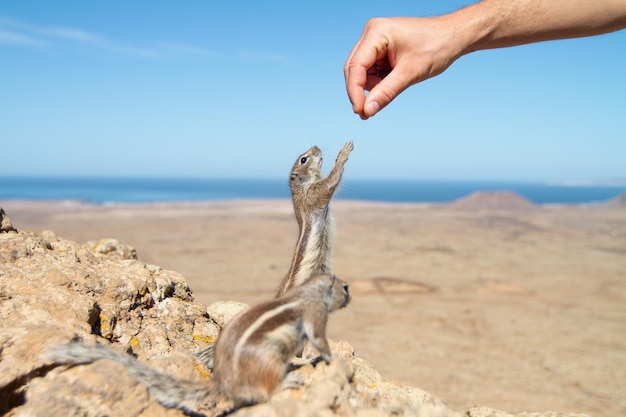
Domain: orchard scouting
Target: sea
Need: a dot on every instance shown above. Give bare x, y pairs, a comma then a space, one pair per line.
155, 190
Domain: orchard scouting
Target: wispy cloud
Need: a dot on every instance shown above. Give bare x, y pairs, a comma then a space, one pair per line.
8, 37
22, 34
68, 34
18, 33
262, 56
186, 49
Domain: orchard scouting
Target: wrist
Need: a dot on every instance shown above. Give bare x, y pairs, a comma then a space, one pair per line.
474, 28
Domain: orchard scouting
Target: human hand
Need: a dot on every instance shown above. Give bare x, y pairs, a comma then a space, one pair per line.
395, 53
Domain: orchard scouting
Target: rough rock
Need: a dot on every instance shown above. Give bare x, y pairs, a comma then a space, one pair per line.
53, 291
492, 200
221, 312
5, 223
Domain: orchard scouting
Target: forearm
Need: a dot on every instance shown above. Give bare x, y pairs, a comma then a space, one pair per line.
501, 23
395, 53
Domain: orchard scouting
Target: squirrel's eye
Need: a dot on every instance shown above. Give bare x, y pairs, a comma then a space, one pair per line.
303, 159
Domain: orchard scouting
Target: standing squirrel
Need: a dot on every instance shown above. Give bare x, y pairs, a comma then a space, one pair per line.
252, 352
311, 195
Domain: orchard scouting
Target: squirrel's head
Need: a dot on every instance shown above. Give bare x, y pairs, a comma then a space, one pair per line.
334, 291
307, 167
339, 294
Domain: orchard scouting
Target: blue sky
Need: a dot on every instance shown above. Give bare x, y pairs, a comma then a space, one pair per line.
240, 88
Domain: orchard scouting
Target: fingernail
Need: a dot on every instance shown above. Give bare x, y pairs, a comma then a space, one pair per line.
373, 107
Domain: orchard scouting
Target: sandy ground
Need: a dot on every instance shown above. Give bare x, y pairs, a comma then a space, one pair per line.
515, 310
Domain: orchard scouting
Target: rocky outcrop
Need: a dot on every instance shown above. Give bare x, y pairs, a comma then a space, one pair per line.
492, 200
53, 291
5, 223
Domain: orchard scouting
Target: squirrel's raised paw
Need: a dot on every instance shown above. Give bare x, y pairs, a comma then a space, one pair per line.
345, 151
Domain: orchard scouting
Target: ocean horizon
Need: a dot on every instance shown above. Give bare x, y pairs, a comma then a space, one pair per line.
101, 190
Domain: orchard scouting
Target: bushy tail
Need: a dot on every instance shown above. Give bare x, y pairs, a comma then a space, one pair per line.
206, 356
171, 392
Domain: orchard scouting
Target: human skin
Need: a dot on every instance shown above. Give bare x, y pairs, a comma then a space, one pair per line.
393, 54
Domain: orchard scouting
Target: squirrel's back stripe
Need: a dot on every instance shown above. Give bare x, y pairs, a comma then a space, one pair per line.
258, 323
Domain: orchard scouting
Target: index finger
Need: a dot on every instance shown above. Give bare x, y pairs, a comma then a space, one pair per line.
363, 56
355, 74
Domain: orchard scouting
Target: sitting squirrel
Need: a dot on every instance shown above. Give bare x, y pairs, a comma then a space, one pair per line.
252, 352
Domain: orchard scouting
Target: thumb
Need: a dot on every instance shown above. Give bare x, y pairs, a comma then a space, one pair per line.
386, 91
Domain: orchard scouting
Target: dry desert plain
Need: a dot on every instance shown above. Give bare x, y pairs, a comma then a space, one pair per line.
519, 310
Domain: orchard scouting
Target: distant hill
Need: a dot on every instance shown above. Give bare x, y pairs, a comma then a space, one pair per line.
492, 200
616, 202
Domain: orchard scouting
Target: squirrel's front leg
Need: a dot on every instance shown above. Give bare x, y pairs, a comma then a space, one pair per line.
316, 333
334, 177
